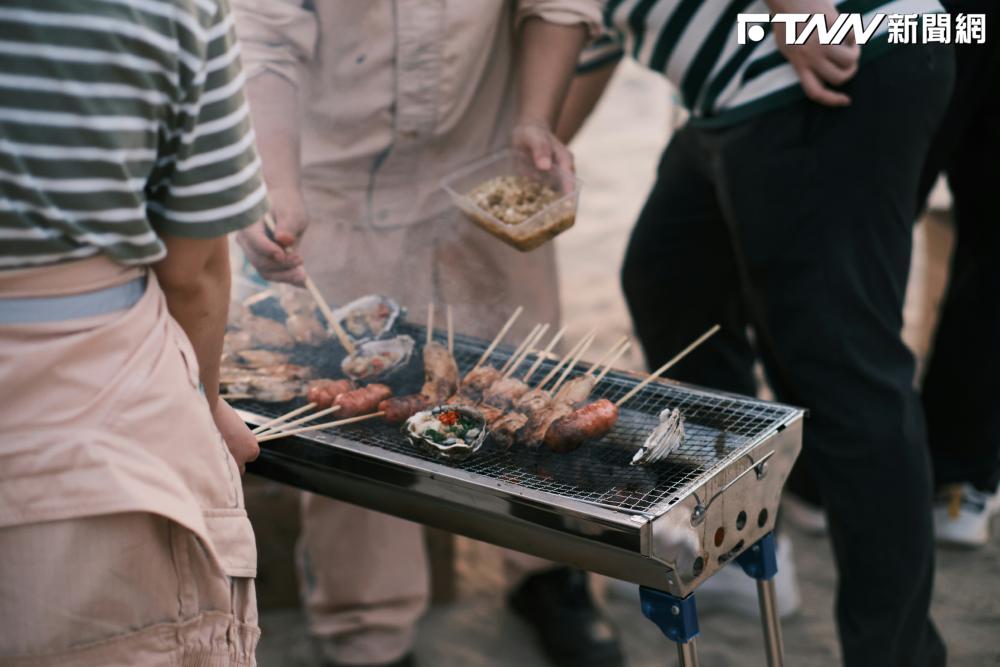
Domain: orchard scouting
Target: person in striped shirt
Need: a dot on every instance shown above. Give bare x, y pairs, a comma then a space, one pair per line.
786, 204
126, 155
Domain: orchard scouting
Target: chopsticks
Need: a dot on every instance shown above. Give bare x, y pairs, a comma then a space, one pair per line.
324, 307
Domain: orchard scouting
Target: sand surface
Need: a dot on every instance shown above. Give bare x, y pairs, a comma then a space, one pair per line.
616, 156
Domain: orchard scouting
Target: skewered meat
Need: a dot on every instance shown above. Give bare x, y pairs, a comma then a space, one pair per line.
502, 393
440, 373
324, 392
505, 428
576, 390
282, 372
533, 433
533, 401
362, 401
262, 387
257, 358
398, 409
305, 328
476, 382
268, 333
237, 341
302, 323
592, 421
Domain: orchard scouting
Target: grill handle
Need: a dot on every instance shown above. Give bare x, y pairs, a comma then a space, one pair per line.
700, 510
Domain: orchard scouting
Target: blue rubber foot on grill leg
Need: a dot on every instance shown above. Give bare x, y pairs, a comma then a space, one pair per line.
676, 617
761, 560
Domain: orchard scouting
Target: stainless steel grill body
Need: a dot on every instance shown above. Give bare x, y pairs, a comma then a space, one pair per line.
669, 525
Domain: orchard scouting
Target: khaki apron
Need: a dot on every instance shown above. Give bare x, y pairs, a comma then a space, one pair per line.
114, 478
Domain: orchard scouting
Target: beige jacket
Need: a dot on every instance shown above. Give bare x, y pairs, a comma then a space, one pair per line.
394, 95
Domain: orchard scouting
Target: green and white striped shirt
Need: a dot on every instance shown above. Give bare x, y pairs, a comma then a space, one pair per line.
120, 120
694, 44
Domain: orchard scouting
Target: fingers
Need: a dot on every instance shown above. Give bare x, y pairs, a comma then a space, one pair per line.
541, 151
844, 55
254, 241
817, 91
296, 276
564, 160
833, 74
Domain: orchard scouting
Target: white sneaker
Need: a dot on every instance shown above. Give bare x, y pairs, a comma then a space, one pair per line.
730, 588
962, 515
808, 517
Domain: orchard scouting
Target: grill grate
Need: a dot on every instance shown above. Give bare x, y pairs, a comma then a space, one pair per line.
718, 429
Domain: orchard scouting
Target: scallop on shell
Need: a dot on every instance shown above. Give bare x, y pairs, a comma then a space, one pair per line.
368, 318
378, 358
451, 451
665, 438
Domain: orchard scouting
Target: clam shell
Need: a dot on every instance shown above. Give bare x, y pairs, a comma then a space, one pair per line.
395, 351
455, 452
664, 439
353, 317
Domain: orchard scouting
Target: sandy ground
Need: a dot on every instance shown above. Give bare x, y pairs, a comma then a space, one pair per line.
616, 156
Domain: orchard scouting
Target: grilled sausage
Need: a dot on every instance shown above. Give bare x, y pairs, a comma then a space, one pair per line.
398, 409
324, 392
362, 401
587, 423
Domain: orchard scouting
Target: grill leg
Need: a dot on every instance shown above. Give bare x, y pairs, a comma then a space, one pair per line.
761, 562
677, 618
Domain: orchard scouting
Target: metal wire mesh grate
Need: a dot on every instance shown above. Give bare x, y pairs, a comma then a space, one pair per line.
718, 427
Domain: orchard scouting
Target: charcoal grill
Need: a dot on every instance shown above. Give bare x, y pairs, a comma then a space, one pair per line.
667, 526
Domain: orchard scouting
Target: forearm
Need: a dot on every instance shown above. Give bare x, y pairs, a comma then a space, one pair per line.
274, 112
584, 93
197, 295
547, 57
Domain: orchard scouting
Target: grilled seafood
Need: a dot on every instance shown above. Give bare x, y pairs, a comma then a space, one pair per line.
665, 438
378, 358
449, 431
368, 318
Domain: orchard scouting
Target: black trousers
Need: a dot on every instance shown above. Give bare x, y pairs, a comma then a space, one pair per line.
961, 391
822, 201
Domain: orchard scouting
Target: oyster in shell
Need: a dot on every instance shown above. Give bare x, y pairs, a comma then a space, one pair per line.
451, 432
665, 438
378, 358
368, 318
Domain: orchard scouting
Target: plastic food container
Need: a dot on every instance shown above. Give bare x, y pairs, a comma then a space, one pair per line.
508, 197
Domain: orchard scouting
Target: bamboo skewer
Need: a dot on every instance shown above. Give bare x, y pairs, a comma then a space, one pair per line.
565, 360
262, 295
607, 355
665, 367
317, 427
283, 418
430, 323
612, 362
544, 354
301, 420
517, 360
572, 365
522, 346
236, 397
324, 307
451, 331
496, 340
